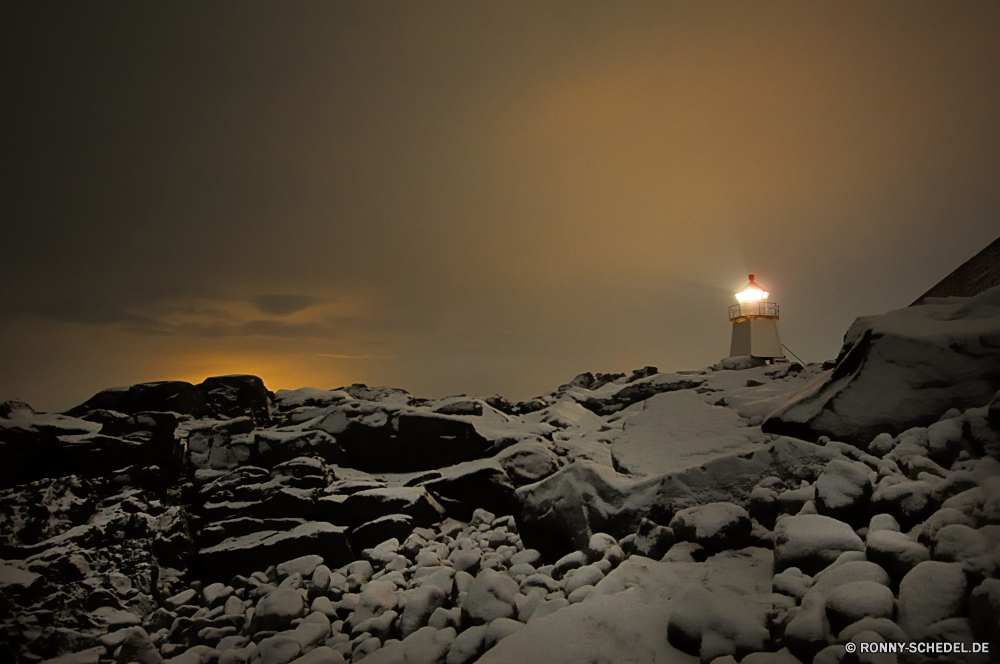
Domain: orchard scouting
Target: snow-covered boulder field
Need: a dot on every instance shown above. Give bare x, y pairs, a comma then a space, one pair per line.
620, 518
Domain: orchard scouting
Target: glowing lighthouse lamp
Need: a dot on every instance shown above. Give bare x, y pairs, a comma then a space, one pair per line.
755, 325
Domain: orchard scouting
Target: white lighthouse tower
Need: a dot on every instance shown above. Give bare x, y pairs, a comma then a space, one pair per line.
755, 325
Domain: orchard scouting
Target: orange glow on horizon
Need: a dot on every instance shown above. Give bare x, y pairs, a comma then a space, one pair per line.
276, 370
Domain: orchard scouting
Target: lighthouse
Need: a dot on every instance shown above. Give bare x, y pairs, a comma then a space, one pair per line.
755, 325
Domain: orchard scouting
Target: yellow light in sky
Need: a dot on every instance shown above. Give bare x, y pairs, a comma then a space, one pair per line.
752, 293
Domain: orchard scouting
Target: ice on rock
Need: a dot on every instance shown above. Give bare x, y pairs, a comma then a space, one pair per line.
428, 645
568, 562
371, 645
783, 656
186, 597
959, 543
848, 569
950, 630
539, 581
443, 618
314, 629
909, 502
366, 506
361, 569
528, 556
883, 522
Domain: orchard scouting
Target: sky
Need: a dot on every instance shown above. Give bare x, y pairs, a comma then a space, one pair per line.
472, 197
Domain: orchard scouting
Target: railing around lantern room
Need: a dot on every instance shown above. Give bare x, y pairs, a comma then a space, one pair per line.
744, 310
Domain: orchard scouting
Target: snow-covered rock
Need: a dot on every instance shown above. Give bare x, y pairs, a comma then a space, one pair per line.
491, 596
715, 526
901, 369
678, 430
812, 541
277, 609
843, 488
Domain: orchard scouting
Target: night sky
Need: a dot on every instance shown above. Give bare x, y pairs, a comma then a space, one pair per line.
473, 197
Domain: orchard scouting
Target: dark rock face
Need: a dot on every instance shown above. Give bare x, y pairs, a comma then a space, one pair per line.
409, 441
238, 396
243, 555
227, 396
461, 492
166, 396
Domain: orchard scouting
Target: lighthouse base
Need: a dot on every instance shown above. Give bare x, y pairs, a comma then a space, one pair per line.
757, 337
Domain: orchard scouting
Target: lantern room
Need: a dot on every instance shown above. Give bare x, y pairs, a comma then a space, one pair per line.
755, 325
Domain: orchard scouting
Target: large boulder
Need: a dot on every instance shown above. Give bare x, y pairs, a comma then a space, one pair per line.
528, 462
932, 591
843, 488
468, 486
415, 502
279, 608
491, 596
238, 396
386, 438
560, 513
46, 445
219, 396
163, 396
812, 541
256, 551
678, 430
899, 370
715, 526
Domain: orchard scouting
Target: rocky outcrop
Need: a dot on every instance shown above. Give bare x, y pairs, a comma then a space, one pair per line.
900, 370
219, 396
